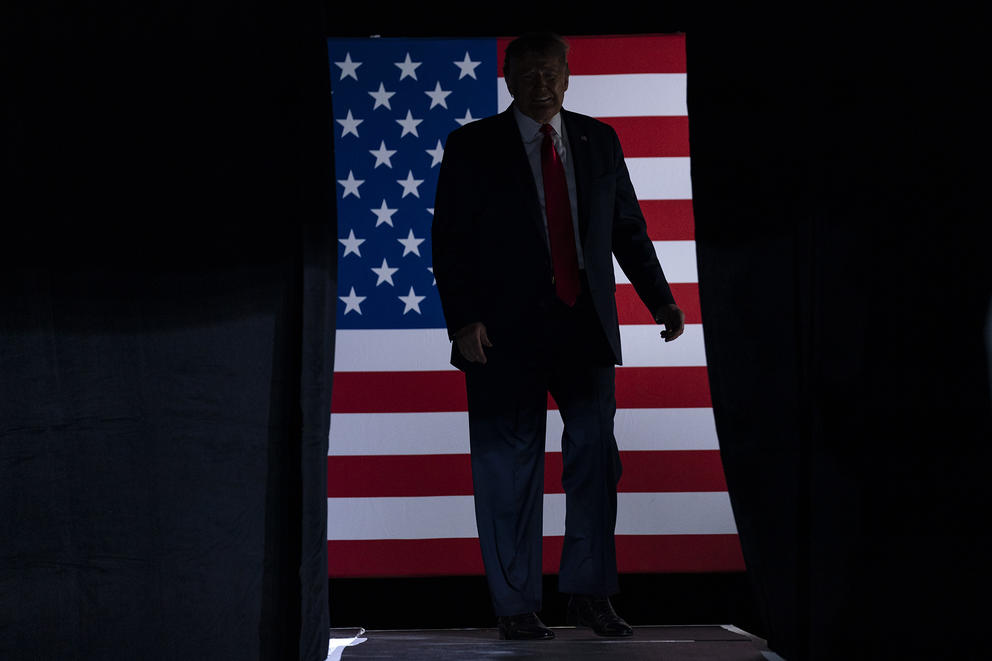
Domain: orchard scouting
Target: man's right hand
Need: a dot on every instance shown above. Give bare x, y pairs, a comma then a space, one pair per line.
470, 340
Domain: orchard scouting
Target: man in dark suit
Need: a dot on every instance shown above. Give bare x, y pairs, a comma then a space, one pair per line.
531, 206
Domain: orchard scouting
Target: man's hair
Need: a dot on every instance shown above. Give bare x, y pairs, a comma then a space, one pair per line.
534, 43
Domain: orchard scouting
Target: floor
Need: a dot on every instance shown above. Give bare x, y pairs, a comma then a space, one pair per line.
668, 643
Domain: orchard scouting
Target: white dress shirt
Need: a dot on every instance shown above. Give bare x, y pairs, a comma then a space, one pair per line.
530, 133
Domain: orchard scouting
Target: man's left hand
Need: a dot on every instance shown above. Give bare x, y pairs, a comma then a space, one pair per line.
674, 320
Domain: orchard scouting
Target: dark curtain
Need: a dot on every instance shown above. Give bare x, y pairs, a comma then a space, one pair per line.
844, 278
166, 332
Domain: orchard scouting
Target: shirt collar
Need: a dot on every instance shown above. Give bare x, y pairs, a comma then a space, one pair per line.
530, 130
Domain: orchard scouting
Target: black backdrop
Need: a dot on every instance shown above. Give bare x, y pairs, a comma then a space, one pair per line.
168, 301
845, 282
167, 327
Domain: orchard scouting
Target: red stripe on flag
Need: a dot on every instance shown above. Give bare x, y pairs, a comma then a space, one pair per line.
646, 554
366, 558
669, 220
618, 54
663, 471
651, 136
384, 476
631, 310
398, 392
462, 557
663, 387
410, 392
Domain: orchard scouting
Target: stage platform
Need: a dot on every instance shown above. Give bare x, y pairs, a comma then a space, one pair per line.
670, 643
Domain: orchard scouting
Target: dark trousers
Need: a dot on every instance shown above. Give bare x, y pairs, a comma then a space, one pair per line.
507, 402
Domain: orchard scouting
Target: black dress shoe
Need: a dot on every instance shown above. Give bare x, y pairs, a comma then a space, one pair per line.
598, 613
525, 626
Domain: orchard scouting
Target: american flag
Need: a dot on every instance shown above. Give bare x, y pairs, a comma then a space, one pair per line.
399, 478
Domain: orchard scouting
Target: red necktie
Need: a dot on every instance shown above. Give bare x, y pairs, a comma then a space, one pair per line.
564, 260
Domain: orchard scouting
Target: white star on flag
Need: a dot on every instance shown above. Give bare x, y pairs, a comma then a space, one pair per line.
352, 302
348, 68
351, 244
382, 155
438, 96
411, 244
383, 215
350, 125
436, 154
409, 124
467, 67
410, 185
381, 97
431, 269
407, 68
384, 273
467, 118
351, 185
411, 301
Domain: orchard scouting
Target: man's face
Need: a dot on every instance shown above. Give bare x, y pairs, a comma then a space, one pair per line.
537, 84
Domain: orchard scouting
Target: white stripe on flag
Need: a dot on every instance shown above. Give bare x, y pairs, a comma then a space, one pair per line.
659, 429
442, 517
428, 349
660, 178
678, 261
619, 95
642, 346
360, 434
686, 513
392, 350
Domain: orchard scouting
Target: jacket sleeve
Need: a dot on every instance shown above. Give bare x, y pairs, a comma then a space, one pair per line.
454, 237
631, 244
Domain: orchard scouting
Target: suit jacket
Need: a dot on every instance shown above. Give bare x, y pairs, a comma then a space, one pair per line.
490, 251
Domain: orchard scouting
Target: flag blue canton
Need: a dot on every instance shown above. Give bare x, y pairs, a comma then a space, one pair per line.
394, 102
